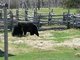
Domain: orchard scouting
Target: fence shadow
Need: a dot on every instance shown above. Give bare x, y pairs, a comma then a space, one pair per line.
56, 28
2, 54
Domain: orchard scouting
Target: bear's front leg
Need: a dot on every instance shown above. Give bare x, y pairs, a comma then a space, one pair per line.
24, 33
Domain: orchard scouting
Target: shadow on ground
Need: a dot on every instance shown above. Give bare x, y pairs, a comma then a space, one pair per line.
2, 54
56, 28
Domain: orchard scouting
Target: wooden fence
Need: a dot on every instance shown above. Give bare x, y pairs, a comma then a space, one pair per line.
38, 19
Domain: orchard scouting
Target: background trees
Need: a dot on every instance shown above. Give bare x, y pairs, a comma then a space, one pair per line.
44, 3
71, 3
32, 3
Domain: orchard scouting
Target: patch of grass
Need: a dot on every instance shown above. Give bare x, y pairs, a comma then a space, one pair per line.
65, 35
57, 10
61, 54
24, 52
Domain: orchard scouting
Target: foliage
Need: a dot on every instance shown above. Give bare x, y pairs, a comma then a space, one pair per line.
71, 3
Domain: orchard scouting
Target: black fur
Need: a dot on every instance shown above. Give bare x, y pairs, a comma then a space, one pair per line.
22, 28
17, 31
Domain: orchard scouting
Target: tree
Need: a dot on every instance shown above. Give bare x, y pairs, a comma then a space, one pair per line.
71, 3
28, 3
38, 4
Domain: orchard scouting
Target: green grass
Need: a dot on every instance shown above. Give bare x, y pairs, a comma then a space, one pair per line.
60, 54
57, 10
65, 34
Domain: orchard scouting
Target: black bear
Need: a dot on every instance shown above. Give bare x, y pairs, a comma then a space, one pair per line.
17, 31
23, 27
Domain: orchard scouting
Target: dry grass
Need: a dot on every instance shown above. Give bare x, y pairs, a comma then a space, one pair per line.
44, 42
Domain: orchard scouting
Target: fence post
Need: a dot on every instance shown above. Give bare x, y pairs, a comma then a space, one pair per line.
65, 17
36, 18
0, 14
5, 33
26, 15
11, 17
49, 18
35, 15
38, 21
68, 19
17, 14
